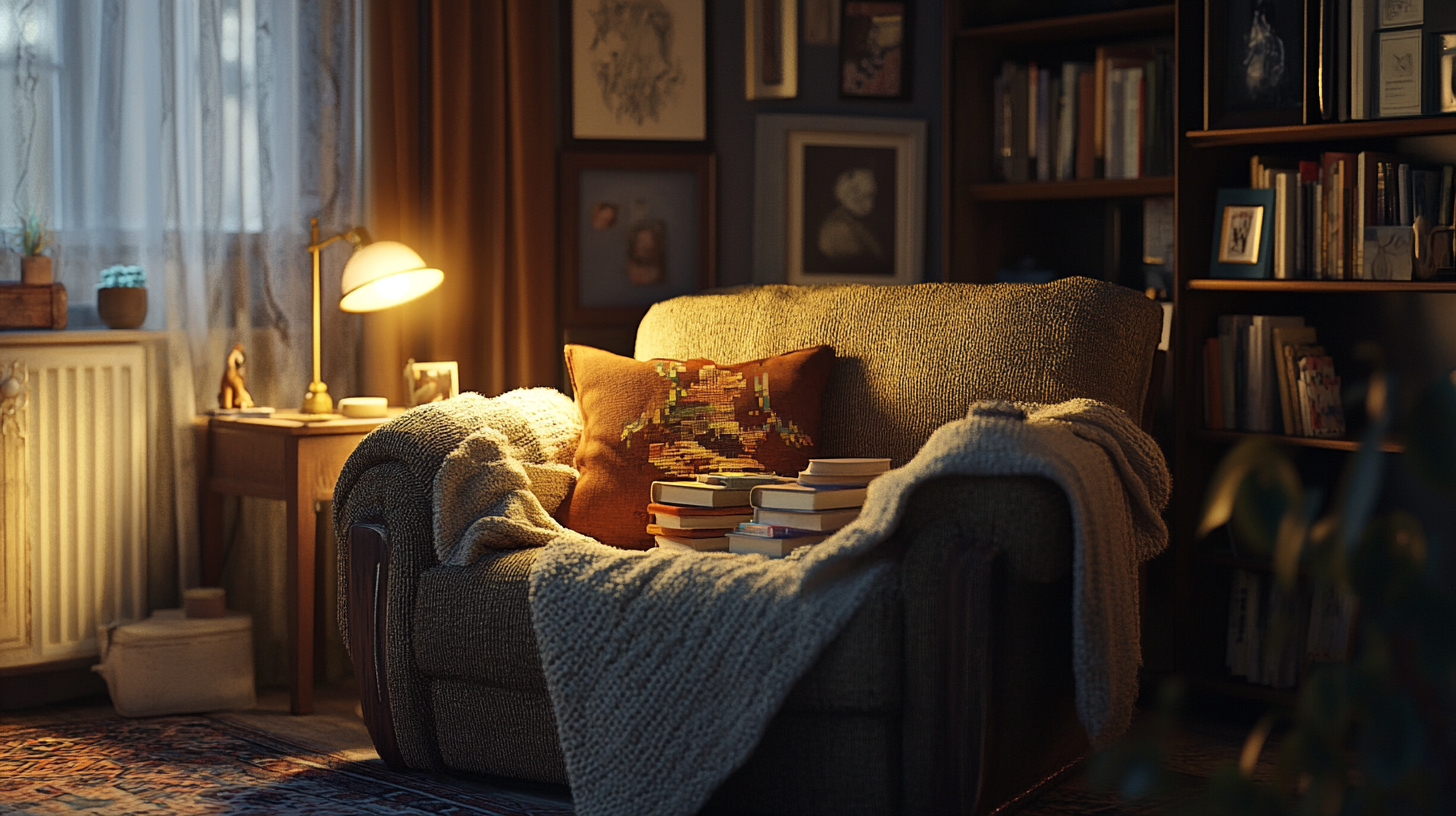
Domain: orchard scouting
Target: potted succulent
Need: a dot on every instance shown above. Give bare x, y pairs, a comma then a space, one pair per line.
121, 297
34, 239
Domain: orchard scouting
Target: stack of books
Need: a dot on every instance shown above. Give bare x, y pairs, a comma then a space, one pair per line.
827, 496
1267, 373
699, 515
1314, 625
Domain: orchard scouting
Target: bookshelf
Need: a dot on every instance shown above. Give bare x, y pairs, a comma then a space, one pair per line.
990, 223
993, 224
1341, 310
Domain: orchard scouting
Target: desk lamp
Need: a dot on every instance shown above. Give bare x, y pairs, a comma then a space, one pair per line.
378, 275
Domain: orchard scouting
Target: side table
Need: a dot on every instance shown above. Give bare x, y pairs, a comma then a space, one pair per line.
292, 457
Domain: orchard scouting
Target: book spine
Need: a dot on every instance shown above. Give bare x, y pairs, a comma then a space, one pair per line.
1405, 197
1132, 123
999, 142
1042, 147
1446, 187
1087, 125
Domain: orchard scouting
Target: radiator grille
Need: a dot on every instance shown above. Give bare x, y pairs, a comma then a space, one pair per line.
86, 473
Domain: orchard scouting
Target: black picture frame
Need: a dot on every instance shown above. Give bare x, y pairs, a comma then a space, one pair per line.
868, 67
667, 199
1259, 57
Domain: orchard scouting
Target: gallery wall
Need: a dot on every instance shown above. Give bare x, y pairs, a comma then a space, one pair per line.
732, 124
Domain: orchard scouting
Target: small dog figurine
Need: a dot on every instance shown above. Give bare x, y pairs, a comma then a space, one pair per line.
232, 393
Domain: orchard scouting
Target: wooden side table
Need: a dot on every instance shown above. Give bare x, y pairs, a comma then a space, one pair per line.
292, 457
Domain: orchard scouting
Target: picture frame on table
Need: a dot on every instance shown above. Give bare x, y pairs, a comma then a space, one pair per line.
875, 49
1255, 73
636, 228
430, 382
771, 49
637, 69
1242, 234
839, 199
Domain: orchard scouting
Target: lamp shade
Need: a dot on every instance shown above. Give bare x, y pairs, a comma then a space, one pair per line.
384, 274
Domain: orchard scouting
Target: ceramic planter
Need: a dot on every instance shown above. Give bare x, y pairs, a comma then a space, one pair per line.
36, 269
122, 307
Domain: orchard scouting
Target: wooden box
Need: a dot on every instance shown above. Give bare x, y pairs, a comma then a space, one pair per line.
32, 306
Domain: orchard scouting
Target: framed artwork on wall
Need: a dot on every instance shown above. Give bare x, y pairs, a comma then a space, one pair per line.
638, 69
636, 228
771, 49
1255, 72
874, 49
839, 199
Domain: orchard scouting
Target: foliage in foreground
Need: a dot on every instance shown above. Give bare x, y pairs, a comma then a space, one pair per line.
1375, 735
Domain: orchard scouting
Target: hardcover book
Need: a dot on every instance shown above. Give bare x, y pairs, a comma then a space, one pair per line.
802, 497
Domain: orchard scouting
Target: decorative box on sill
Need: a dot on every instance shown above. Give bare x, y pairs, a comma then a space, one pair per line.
32, 306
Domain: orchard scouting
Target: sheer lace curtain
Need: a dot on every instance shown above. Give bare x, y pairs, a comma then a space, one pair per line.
194, 138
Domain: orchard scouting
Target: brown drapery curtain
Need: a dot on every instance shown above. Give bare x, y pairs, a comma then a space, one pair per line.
461, 167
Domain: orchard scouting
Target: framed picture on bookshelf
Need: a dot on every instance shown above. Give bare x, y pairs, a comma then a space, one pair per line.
636, 228
1395, 13
1241, 234
771, 49
637, 70
1254, 75
1399, 81
874, 49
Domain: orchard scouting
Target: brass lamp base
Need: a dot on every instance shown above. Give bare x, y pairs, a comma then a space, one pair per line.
317, 400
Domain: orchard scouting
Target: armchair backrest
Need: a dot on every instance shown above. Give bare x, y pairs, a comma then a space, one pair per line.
912, 358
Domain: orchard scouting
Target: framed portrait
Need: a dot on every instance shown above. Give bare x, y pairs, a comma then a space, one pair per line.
771, 49
1255, 72
430, 382
636, 228
638, 69
874, 49
1241, 234
839, 199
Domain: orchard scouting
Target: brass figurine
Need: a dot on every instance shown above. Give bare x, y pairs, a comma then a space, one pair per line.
232, 393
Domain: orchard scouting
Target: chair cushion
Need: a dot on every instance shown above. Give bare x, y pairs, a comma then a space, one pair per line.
473, 624
663, 419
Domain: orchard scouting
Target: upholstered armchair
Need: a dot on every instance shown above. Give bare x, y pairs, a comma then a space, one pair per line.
949, 691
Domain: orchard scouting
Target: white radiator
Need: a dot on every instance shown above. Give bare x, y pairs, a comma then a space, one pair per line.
74, 463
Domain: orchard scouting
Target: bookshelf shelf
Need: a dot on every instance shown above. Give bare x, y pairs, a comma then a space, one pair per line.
1313, 286
1232, 437
1070, 190
1102, 25
1335, 131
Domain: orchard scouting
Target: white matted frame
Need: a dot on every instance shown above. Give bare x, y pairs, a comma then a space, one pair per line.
431, 382
785, 144
638, 69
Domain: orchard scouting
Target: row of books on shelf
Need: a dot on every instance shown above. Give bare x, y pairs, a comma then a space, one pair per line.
1111, 118
1343, 216
1273, 631
761, 513
1267, 374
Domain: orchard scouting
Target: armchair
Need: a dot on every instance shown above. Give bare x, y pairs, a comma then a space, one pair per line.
951, 688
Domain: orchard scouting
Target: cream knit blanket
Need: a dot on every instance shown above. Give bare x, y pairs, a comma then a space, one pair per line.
665, 668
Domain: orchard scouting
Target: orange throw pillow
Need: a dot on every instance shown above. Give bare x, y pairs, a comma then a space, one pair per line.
666, 419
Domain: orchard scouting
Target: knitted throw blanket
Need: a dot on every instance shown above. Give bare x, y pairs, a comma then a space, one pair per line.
665, 668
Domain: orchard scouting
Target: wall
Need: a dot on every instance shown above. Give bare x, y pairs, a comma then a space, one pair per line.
733, 117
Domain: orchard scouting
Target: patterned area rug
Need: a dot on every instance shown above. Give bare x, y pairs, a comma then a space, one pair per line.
193, 765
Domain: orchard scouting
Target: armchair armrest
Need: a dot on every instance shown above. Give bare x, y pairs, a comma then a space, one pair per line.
383, 505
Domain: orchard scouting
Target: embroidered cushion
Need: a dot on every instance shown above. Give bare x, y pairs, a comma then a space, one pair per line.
667, 419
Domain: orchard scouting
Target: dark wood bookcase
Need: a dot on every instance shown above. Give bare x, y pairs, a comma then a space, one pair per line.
1064, 224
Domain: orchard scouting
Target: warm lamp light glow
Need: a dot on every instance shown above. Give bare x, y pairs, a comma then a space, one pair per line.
384, 274
377, 276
